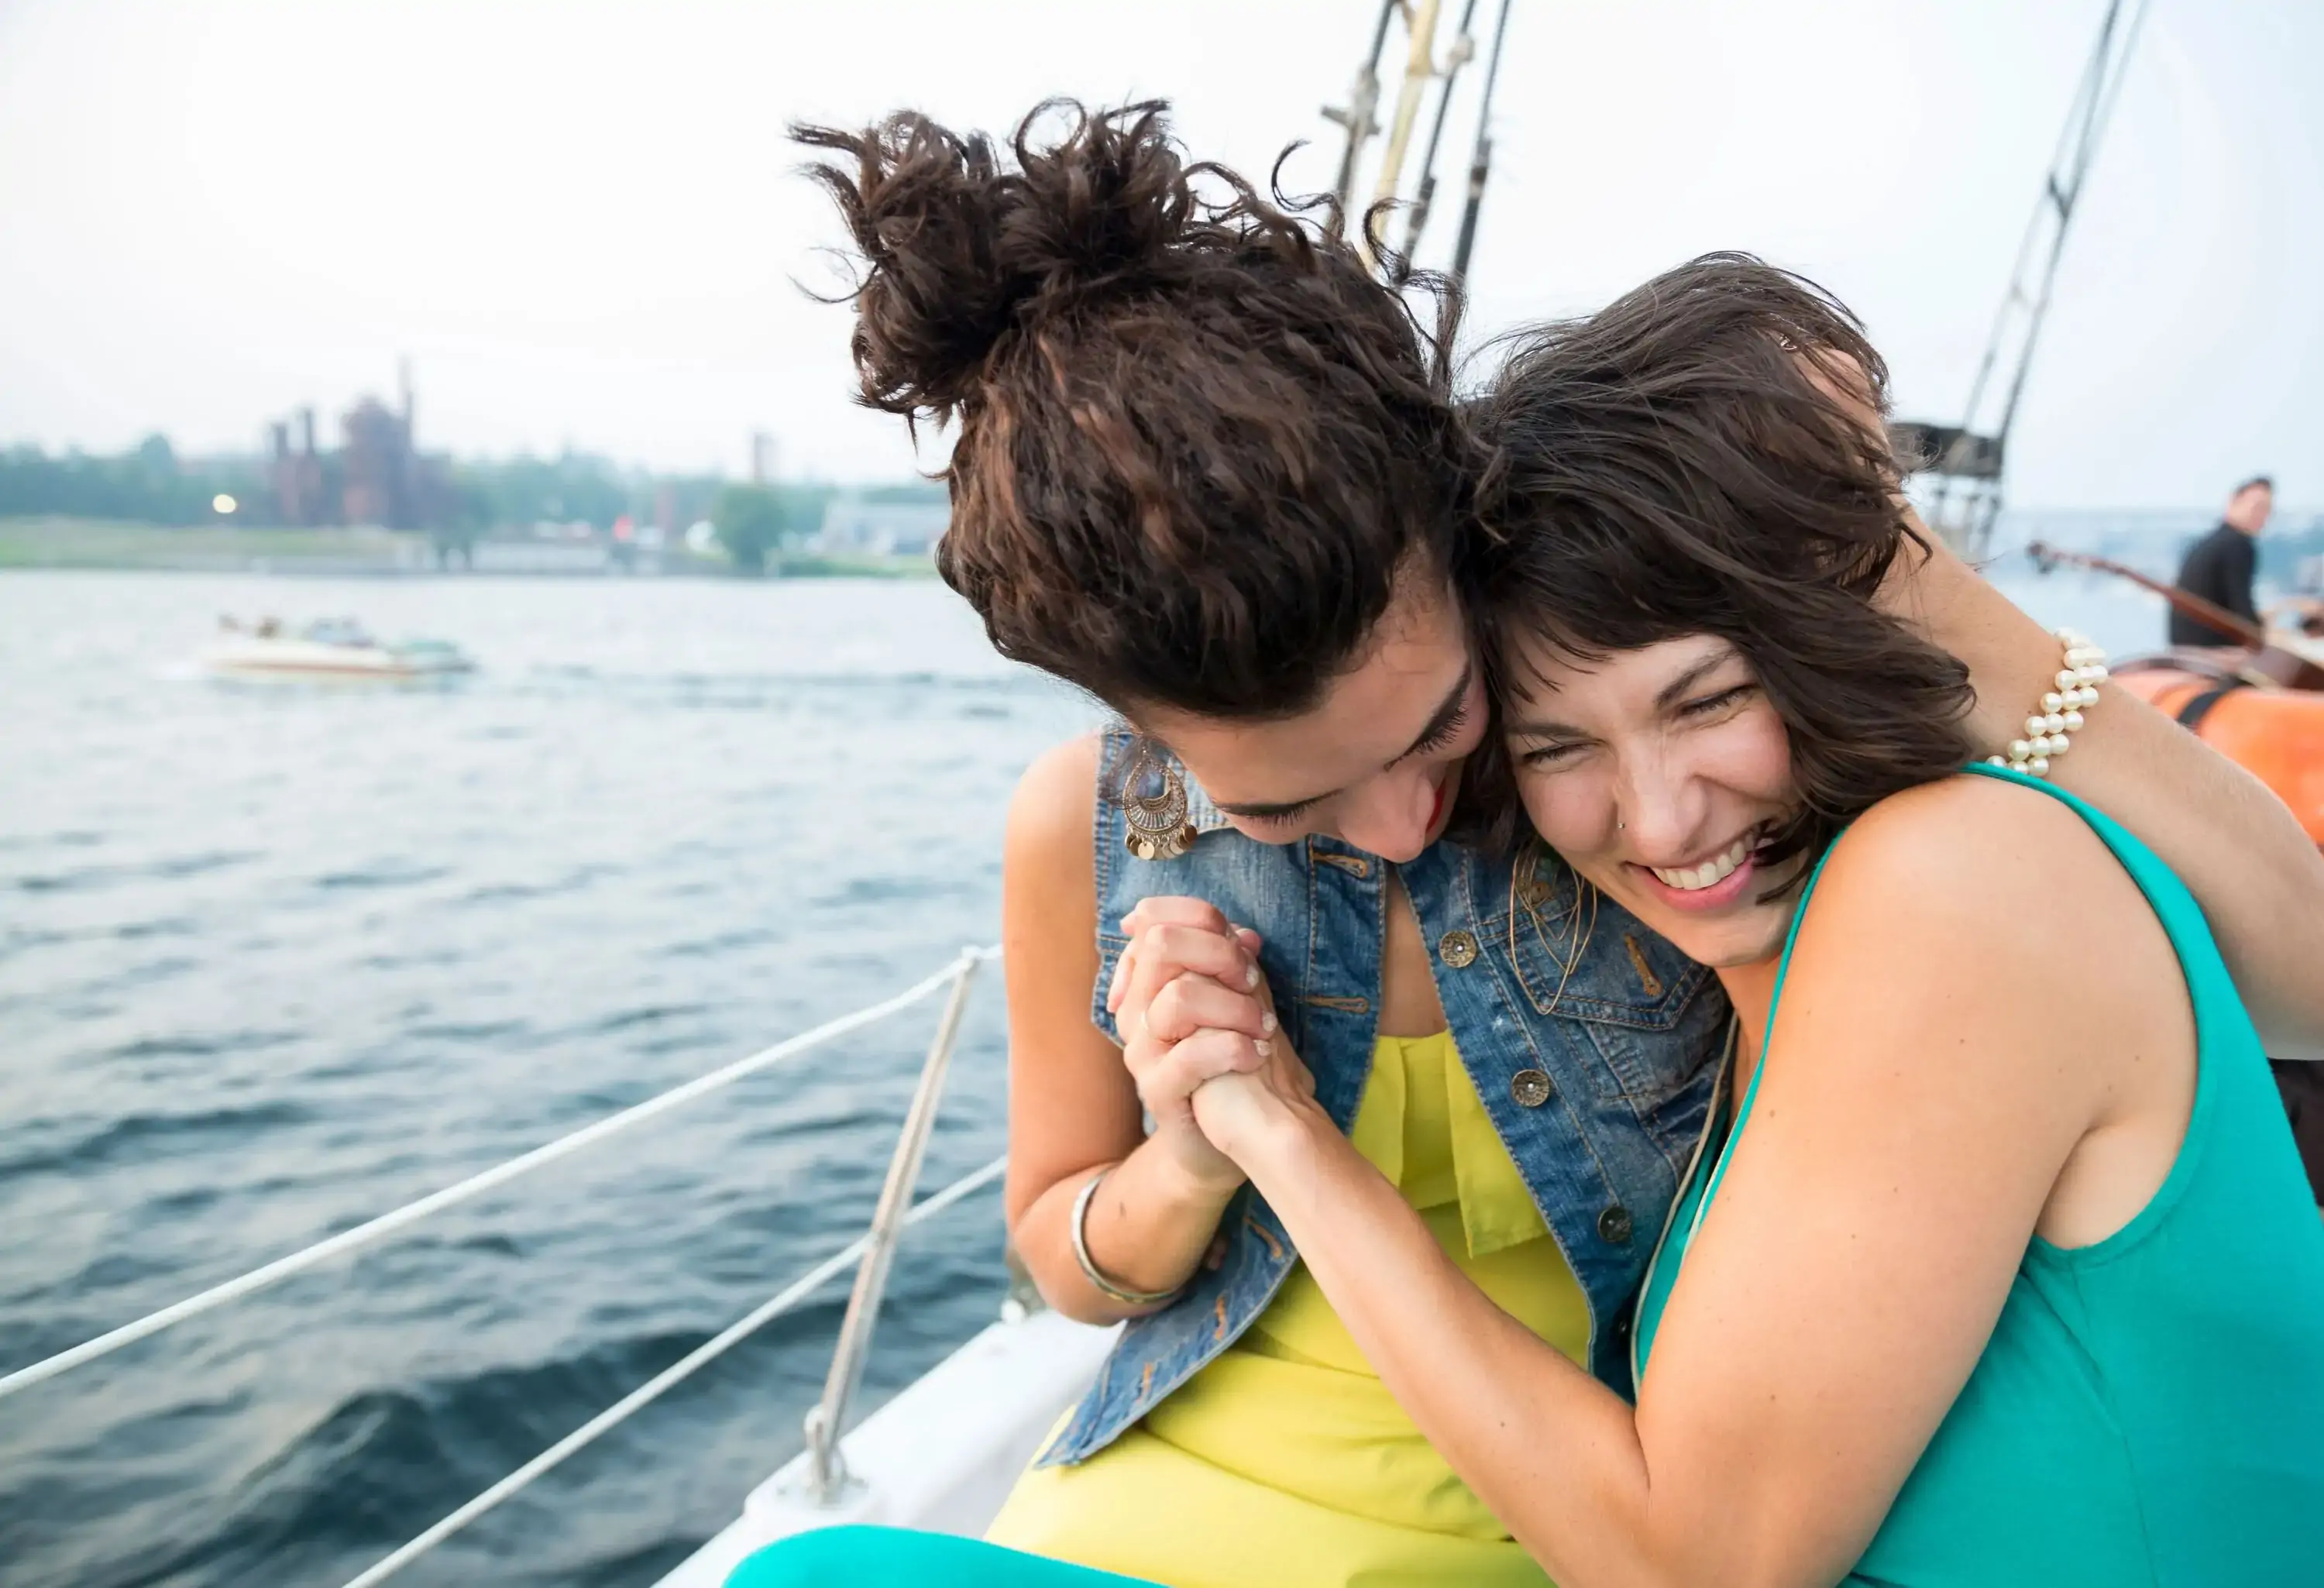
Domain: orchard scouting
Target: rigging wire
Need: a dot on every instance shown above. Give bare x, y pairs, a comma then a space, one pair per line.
1974, 460
411, 1213
1480, 161
669, 1379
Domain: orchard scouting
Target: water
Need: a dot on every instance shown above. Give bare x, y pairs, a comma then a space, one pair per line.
274, 959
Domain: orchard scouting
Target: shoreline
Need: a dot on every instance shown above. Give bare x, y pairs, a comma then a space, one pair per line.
112, 545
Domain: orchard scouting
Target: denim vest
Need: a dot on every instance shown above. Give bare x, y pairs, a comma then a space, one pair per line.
1588, 1038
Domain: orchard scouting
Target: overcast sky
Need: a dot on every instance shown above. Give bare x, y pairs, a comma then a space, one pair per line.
581, 223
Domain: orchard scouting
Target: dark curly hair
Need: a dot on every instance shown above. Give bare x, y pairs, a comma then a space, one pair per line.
1702, 456
1198, 443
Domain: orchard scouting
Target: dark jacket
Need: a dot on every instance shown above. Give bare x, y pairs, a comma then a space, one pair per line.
2220, 568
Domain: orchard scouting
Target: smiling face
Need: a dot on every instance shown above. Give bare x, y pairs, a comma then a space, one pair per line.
1376, 763
1656, 773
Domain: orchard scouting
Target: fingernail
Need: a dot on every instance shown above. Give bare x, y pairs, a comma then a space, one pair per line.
1266, 1048
1267, 1022
1250, 976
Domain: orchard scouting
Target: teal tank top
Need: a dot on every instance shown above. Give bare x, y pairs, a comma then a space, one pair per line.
2150, 1409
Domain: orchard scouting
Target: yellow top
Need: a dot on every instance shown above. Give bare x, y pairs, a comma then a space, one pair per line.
1286, 1462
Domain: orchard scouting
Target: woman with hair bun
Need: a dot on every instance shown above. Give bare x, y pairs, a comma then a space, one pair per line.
1210, 471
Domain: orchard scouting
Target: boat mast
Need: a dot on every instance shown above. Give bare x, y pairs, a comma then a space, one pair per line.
1966, 460
1415, 219
1480, 159
1419, 67
1420, 18
1356, 115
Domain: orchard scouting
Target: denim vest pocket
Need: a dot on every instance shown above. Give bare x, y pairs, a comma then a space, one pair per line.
1581, 956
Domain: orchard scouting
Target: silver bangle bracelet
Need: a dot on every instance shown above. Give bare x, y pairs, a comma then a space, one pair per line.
1090, 1269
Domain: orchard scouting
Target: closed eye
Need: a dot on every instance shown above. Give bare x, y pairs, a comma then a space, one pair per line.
1712, 705
1443, 734
1548, 754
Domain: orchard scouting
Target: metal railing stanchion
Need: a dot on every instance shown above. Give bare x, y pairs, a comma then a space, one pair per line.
827, 1467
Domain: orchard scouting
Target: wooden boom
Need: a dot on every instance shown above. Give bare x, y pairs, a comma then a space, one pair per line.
2269, 660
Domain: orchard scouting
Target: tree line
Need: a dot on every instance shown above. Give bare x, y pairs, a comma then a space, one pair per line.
152, 482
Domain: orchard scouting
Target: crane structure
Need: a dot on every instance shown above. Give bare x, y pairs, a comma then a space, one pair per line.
1963, 465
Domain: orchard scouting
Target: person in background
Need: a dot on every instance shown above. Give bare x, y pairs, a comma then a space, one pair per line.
2220, 565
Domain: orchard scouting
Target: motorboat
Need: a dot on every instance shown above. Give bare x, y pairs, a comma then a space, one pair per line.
337, 648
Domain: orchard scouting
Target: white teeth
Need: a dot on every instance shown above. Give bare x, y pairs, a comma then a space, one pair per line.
1693, 879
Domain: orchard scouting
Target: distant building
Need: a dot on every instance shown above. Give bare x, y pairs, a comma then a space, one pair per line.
297, 477
375, 464
376, 477
882, 524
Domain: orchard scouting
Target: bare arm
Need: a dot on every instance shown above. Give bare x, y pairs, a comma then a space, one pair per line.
2240, 852
1908, 1139
1074, 1106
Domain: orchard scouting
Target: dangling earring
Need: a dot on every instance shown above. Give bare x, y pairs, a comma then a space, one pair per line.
1158, 827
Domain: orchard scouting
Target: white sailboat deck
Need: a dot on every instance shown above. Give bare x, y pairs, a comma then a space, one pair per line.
940, 1456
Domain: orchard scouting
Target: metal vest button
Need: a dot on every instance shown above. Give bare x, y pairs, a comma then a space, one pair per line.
1530, 1088
1614, 1225
1458, 950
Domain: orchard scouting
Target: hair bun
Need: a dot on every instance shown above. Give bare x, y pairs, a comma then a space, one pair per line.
960, 250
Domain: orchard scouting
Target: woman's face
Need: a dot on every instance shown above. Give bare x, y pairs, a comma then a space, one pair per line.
1657, 774
1377, 763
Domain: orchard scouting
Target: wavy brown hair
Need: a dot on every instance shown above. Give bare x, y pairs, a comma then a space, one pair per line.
1198, 443
1703, 457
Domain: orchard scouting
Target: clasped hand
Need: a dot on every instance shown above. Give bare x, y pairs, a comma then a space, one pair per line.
1201, 1038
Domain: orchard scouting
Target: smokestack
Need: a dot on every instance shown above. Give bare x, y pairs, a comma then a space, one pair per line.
403, 379
763, 458
306, 430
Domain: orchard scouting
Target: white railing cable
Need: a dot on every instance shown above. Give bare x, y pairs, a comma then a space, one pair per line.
814, 1278
388, 1224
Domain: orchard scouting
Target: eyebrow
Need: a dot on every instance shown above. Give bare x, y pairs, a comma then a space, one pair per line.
1439, 720
1665, 699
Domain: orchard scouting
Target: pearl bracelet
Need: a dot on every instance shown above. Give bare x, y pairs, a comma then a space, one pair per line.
2048, 731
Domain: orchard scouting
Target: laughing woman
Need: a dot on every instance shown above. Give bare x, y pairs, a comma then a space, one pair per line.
1209, 471
1997, 1265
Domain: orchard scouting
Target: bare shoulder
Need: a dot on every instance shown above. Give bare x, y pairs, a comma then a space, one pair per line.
1051, 817
1960, 876
1054, 806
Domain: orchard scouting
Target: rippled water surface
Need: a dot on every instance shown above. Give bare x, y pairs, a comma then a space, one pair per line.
276, 958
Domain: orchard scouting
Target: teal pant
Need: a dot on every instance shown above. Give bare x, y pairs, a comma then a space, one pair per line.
893, 1557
